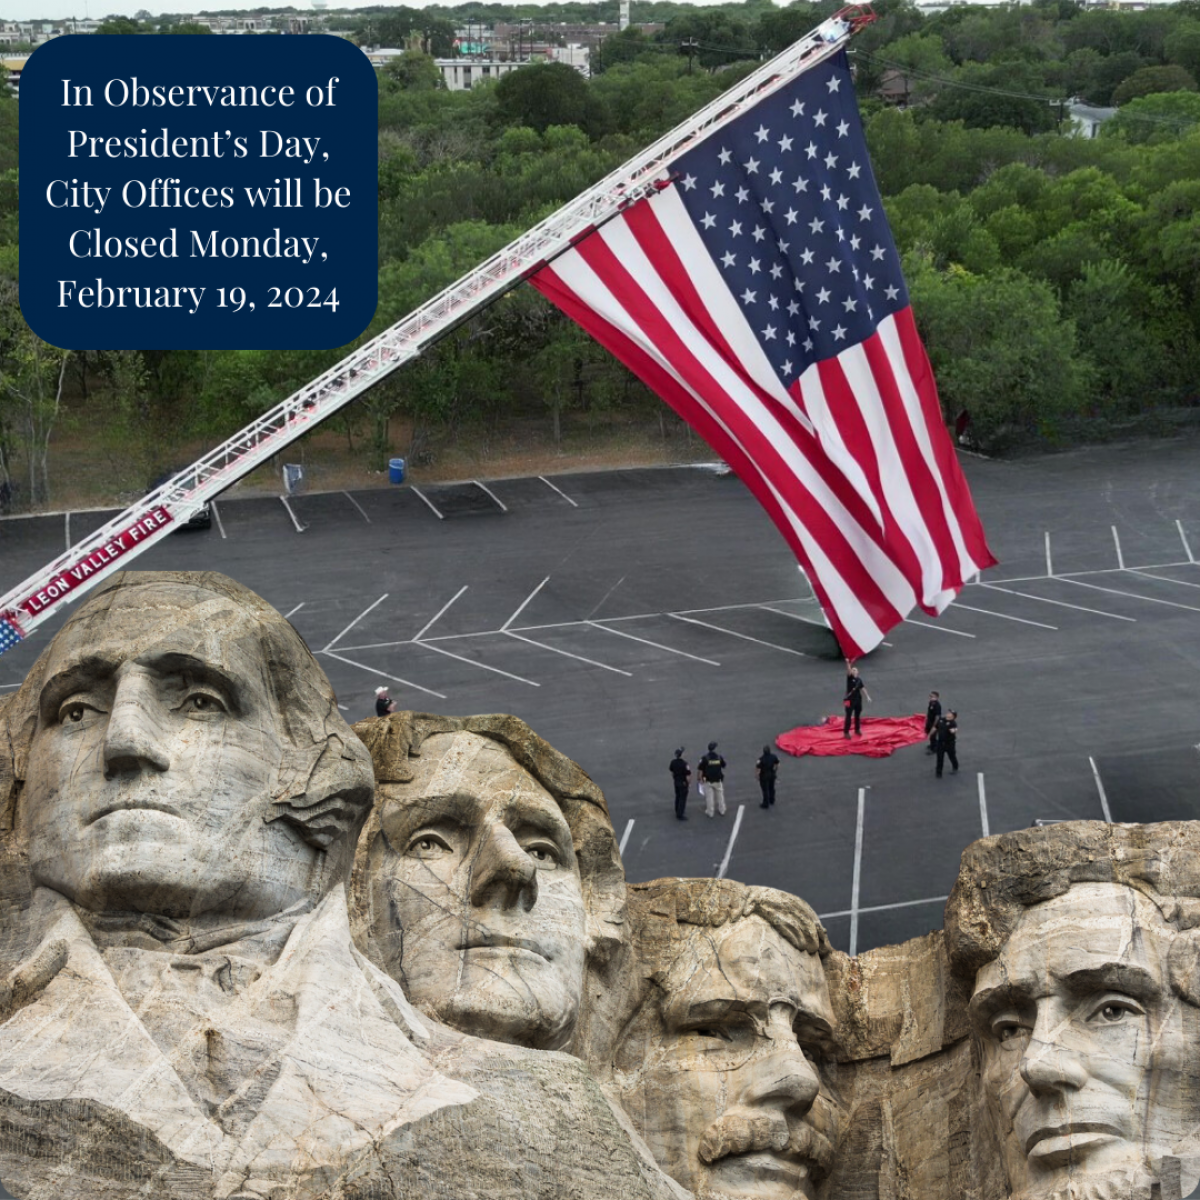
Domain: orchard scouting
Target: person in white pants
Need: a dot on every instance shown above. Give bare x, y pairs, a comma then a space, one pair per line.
712, 772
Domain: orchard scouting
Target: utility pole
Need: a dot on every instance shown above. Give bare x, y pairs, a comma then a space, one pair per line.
690, 48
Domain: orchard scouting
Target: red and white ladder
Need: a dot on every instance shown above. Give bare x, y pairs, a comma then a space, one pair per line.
112, 546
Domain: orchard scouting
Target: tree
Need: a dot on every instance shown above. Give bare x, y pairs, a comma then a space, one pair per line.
542, 95
120, 25
1182, 46
189, 27
1151, 80
1005, 94
1162, 117
414, 71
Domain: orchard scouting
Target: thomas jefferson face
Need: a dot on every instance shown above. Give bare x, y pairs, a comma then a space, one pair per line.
155, 760
479, 895
728, 1079
1088, 1054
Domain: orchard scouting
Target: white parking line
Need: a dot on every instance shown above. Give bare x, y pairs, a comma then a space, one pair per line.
1100, 789
1061, 603
858, 844
656, 645
524, 604
733, 633
495, 499
559, 491
1132, 595
1161, 578
1117, 543
67, 529
1081, 574
939, 628
358, 506
737, 824
382, 674
433, 508
1005, 616
567, 653
295, 519
625, 836
216, 512
429, 625
983, 817
604, 598
1183, 538
1049, 564
356, 621
471, 662
885, 907
287, 616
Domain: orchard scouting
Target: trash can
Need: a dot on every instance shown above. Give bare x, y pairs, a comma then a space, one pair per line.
396, 470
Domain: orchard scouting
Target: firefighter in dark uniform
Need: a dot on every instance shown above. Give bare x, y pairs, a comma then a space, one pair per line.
856, 689
765, 769
946, 741
681, 773
932, 713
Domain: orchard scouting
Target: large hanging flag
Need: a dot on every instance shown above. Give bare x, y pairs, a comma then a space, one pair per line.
760, 295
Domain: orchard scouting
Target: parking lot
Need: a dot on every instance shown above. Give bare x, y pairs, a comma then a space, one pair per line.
625, 613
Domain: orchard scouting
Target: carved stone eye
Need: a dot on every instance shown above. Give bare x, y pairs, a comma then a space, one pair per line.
1113, 1013
74, 713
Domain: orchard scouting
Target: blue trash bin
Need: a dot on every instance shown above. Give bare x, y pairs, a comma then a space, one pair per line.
396, 470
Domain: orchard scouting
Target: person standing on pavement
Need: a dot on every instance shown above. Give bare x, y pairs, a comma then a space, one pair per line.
712, 771
856, 689
932, 713
946, 741
384, 704
765, 769
681, 773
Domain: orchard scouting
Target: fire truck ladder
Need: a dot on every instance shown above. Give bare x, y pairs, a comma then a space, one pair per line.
111, 547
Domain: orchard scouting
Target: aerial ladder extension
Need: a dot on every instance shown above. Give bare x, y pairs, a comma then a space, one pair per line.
113, 545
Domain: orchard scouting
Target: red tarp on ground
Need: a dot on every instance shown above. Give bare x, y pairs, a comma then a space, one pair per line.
881, 736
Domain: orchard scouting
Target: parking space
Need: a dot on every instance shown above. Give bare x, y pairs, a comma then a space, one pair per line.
626, 613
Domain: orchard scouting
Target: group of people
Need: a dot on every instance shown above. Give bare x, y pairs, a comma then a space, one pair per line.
941, 733
711, 768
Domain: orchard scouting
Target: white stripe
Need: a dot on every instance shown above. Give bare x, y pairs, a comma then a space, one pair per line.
858, 846
1100, 788
737, 824
575, 273
983, 817
625, 837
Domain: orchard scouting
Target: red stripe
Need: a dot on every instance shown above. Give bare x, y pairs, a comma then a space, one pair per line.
921, 374
656, 377
924, 487
844, 408
660, 333
656, 244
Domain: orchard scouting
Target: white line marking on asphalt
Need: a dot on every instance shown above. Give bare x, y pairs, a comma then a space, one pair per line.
358, 506
288, 615
524, 604
559, 491
436, 616
471, 662
567, 653
356, 621
733, 633
605, 597
625, 837
216, 512
737, 824
656, 645
732, 607
1117, 543
858, 843
1183, 538
1161, 578
488, 491
1005, 616
939, 628
1132, 595
382, 674
1049, 564
433, 508
67, 529
1099, 612
9, 685
1100, 789
1080, 574
983, 820
886, 907
295, 519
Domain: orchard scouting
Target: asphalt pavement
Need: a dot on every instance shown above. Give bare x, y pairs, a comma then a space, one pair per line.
625, 613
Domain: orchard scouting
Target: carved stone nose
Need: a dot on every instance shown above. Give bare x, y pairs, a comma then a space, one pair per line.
503, 873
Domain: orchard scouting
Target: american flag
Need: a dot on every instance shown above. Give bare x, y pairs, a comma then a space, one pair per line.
761, 297
10, 631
